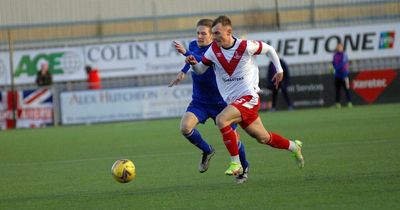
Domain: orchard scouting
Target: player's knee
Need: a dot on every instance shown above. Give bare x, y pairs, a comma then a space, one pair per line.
186, 130
262, 139
221, 121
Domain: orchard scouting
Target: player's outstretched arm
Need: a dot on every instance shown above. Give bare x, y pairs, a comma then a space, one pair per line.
259, 47
278, 77
178, 79
198, 68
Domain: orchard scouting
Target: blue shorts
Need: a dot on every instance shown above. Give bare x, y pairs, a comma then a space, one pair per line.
204, 111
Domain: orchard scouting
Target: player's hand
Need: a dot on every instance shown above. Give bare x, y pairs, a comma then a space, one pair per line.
178, 79
278, 77
179, 48
191, 60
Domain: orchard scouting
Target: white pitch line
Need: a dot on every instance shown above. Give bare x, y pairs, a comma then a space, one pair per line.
100, 158
314, 145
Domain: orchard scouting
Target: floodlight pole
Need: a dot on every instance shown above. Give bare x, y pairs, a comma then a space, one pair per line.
278, 24
13, 98
313, 13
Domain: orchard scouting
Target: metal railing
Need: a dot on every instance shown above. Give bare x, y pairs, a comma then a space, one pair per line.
281, 16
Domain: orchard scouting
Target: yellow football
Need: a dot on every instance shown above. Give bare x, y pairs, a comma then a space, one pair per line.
123, 170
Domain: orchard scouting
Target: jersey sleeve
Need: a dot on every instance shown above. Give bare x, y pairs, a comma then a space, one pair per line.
259, 47
206, 61
207, 57
255, 47
185, 68
189, 51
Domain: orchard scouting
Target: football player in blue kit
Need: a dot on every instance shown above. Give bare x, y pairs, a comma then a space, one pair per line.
206, 100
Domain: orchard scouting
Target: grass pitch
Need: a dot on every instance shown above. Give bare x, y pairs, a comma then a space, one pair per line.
352, 162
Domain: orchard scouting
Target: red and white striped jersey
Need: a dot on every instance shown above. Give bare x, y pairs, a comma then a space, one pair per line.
236, 70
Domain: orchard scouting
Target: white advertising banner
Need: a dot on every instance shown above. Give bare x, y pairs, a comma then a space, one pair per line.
318, 45
160, 57
124, 104
135, 58
64, 64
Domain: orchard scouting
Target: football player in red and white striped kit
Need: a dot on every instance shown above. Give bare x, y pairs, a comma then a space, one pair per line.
236, 71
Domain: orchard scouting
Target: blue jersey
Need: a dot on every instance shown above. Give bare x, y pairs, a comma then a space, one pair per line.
341, 64
205, 89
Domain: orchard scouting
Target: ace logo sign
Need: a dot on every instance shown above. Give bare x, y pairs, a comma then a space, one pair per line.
370, 84
64, 64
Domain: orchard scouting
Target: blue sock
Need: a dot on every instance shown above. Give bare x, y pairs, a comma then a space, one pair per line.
195, 138
242, 155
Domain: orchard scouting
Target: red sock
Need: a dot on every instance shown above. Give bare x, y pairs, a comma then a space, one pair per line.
278, 141
230, 140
